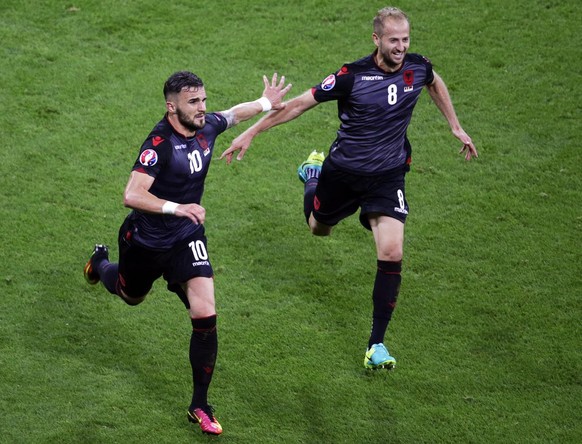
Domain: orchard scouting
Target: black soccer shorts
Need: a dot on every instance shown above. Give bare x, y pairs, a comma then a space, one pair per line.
339, 194
139, 267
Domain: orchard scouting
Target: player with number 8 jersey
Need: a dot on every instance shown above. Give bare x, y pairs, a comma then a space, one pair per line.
367, 95
367, 161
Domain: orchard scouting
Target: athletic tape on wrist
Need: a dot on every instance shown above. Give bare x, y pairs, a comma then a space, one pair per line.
169, 207
265, 103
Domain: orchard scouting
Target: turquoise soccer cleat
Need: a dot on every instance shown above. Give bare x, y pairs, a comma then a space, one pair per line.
377, 357
311, 168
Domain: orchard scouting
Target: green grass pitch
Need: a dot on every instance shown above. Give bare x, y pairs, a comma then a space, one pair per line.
487, 330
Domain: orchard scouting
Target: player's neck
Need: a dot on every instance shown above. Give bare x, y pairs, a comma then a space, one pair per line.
388, 68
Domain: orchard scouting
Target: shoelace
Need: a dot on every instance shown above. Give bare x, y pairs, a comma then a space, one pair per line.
209, 410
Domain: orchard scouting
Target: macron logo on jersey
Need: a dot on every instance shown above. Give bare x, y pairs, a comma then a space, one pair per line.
372, 78
328, 83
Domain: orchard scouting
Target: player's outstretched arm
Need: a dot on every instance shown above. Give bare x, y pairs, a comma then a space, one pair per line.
289, 111
440, 95
272, 98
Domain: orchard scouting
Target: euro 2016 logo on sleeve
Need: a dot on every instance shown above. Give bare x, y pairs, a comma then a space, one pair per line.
328, 83
148, 158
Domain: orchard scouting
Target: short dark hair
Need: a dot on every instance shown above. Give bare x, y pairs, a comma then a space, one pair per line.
180, 80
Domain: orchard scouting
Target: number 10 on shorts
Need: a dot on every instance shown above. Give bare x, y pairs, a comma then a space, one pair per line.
198, 250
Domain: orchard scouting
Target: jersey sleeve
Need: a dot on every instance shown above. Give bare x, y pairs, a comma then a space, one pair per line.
335, 86
218, 121
153, 155
429, 74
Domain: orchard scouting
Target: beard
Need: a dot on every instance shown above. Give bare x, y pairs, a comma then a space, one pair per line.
385, 55
188, 123
387, 59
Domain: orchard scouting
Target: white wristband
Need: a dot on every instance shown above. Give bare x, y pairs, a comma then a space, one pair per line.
169, 207
265, 103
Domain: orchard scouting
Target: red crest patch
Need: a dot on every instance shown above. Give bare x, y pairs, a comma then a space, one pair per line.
202, 141
408, 77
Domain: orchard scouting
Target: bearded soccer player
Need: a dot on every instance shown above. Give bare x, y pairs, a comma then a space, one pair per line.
368, 160
163, 236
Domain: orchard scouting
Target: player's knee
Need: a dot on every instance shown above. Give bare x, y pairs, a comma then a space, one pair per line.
319, 229
390, 251
320, 232
131, 298
394, 254
133, 301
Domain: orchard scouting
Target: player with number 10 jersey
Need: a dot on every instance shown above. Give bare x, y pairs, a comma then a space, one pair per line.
180, 165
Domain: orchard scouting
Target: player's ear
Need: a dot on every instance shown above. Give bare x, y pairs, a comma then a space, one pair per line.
170, 107
375, 38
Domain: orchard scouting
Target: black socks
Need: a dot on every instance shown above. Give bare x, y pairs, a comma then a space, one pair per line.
108, 274
308, 197
203, 350
384, 296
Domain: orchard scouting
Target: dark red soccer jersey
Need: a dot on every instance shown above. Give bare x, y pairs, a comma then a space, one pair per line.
374, 108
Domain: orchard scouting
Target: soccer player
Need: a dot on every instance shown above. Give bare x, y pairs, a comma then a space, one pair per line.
368, 160
164, 235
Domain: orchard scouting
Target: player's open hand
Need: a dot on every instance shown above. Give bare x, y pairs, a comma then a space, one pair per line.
468, 147
275, 92
241, 143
